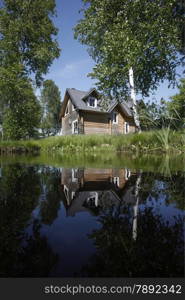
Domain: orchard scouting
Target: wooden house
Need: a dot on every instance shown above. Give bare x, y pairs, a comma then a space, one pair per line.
91, 190
82, 113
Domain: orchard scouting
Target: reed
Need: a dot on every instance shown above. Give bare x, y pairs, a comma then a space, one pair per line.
164, 140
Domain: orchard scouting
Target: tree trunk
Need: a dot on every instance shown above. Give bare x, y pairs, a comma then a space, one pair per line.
133, 98
136, 207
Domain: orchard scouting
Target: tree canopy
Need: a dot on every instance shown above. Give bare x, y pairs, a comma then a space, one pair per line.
22, 120
51, 104
27, 49
26, 37
144, 35
176, 106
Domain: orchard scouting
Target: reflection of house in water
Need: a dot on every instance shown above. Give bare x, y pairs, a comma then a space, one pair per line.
95, 189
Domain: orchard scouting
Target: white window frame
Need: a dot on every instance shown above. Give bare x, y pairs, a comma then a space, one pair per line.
73, 131
95, 102
74, 175
127, 174
127, 127
116, 180
115, 114
72, 195
93, 196
66, 192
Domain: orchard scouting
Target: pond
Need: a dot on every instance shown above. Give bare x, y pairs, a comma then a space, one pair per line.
92, 216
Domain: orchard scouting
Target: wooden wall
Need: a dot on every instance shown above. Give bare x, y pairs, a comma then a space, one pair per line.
105, 175
118, 128
69, 118
96, 123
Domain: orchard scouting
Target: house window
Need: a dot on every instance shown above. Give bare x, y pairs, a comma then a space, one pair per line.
66, 192
72, 195
115, 118
75, 127
92, 102
74, 175
93, 199
116, 181
126, 127
127, 174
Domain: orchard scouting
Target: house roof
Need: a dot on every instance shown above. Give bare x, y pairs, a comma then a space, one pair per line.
125, 106
78, 99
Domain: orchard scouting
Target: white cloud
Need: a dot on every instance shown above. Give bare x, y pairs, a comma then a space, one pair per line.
74, 69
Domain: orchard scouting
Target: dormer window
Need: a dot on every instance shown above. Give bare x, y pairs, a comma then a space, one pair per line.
92, 102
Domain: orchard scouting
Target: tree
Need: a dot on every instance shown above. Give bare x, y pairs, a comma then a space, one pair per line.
22, 120
51, 104
26, 37
135, 44
27, 49
22, 254
159, 254
153, 115
176, 106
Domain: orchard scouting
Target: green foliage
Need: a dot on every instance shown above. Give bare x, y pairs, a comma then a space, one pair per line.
26, 38
21, 120
152, 115
153, 141
176, 106
157, 141
27, 47
144, 35
51, 105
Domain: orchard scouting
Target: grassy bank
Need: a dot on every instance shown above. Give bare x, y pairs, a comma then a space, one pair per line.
152, 141
165, 141
19, 147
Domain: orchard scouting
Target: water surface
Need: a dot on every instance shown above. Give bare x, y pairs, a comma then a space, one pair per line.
93, 216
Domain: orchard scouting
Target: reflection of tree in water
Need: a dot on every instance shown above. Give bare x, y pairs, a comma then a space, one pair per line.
51, 194
172, 187
20, 254
155, 248
36, 258
157, 251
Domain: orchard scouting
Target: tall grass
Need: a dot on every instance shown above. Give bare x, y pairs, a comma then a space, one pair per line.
164, 140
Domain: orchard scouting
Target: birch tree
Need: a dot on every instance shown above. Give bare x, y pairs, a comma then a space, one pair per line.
27, 50
135, 44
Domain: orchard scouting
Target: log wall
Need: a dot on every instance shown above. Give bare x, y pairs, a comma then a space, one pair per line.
95, 123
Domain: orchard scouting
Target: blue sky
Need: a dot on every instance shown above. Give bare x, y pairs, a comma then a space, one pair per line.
71, 69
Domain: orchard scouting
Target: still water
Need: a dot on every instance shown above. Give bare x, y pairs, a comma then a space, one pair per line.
93, 217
